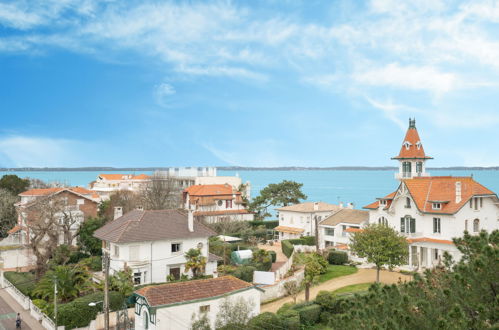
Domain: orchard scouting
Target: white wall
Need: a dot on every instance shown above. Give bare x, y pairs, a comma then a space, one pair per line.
301, 220
180, 317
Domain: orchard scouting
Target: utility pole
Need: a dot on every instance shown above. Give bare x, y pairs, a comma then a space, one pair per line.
55, 302
316, 234
106, 290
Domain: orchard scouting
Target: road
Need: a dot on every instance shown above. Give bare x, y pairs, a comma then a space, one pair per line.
8, 311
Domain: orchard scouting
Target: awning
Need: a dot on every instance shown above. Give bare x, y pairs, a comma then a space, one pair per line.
429, 240
353, 230
289, 230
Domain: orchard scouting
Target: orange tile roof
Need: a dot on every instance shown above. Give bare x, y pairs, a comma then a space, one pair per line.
15, 229
388, 198
429, 240
290, 230
183, 292
211, 190
353, 230
413, 151
50, 191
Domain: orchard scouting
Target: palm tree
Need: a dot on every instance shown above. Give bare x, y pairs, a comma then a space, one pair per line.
122, 281
195, 262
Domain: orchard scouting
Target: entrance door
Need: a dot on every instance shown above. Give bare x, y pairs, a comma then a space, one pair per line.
175, 272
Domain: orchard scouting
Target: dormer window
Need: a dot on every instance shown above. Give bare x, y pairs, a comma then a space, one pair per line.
418, 145
407, 144
407, 203
436, 206
382, 202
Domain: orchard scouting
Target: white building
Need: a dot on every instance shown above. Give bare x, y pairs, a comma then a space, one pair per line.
153, 244
105, 184
431, 211
335, 230
299, 220
173, 306
216, 202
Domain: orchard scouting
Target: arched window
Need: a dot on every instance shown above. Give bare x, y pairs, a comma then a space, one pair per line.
407, 202
383, 221
146, 320
476, 225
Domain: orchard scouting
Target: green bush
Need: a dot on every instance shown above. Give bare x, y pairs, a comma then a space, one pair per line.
287, 248
271, 224
94, 263
337, 258
290, 319
78, 313
296, 241
23, 281
308, 240
310, 314
75, 257
245, 273
331, 302
273, 255
265, 321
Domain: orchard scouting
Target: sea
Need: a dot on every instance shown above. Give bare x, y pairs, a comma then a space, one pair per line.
360, 187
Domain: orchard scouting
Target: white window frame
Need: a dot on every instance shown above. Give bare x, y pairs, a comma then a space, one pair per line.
436, 206
179, 247
437, 225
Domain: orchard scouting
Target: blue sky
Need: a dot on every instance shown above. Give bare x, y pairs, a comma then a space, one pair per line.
250, 83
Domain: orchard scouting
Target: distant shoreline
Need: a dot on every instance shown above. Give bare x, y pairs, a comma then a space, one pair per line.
239, 168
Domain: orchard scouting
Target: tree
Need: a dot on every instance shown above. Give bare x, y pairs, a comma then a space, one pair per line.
68, 221
195, 262
14, 184
87, 242
160, 193
72, 281
122, 281
234, 313
126, 199
8, 216
37, 184
292, 289
313, 269
381, 245
276, 194
201, 322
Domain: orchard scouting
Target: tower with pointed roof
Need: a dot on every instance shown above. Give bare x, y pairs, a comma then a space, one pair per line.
411, 157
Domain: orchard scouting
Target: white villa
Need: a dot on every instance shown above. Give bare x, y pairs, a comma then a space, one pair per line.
105, 184
173, 306
431, 210
335, 230
298, 220
216, 202
153, 244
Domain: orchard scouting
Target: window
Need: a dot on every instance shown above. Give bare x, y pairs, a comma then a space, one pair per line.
116, 251
436, 206
80, 201
146, 320
407, 145
466, 225
406, 169
329, 231
176, 247
219, 203
228, 204
476, 225
419, 167
382, 202
204, 309
137, 277
435, 254
436, 225
407, 203
301, 219
418, 145
134, 252
383, 221
407, 225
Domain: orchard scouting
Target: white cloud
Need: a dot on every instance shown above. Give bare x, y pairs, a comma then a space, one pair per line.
162, 93
394, 111
16, 17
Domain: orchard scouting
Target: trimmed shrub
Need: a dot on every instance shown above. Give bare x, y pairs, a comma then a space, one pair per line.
23, 281
337, 258
245, 273
296, 241
271, 224
290, 319
310, 314
78, 313
287, 248
331, 302
266, 321
284, 308
308, 240
273, 255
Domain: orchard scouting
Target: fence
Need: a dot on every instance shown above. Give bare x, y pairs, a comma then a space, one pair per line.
277, 290
283, 270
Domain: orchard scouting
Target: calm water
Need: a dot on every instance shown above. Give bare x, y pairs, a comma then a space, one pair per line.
358, 187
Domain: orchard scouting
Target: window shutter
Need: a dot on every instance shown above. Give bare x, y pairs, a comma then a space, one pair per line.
434, 225
402, 225
413, 225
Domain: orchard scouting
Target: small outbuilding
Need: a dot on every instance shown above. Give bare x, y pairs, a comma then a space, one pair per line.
241, 257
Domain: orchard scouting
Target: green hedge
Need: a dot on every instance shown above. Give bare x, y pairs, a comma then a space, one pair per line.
265, 321
337, 258
271, 224
245, 273
273, 255
78, 313
310, 314
290, 319
287, 248
305, 240
23, 281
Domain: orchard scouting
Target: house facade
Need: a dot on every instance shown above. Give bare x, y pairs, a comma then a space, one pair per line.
105, 184
216, 202
174, 306
431, 210
335, 230
153, 244
299, 220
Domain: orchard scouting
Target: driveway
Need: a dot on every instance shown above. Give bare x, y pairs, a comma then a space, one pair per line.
362, 276
8, 311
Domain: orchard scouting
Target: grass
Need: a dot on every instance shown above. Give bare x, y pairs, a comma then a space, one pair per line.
24, 282
334, 271
353, 288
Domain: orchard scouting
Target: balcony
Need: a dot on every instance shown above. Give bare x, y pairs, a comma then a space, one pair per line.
409, 175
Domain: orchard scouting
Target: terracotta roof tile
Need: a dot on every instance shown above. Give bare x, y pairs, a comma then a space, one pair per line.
309, 207
353, 230
290, 230
211, 190
429, 240
412, 151
346, 216
181, 292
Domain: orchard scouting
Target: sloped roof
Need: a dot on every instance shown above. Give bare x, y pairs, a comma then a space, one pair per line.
211, 190
346, 216
183, 292
388, 198
144, 226
50, 191
290, 230
308, 207
412, 150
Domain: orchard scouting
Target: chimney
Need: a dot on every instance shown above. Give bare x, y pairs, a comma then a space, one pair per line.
316, 206
190, 221
340, 205
458, 192
118, 212
350, 206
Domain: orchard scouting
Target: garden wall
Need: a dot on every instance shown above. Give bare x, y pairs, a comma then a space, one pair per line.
277, 290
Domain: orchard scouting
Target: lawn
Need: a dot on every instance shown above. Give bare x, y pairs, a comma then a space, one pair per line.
334, 271
353, 288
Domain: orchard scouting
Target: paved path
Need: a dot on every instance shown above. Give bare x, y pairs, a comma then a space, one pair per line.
8, 311
362, 276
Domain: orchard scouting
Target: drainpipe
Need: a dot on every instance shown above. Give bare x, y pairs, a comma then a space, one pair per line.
151, 263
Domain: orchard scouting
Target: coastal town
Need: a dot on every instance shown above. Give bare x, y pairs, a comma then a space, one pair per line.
188, 249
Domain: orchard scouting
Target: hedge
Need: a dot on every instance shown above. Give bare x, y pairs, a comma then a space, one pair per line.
271, 224
23, 281
309, 315
273, 255
305, 240
78, 313
265, 321
245, 273
287, 248
337, 258
290, 319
